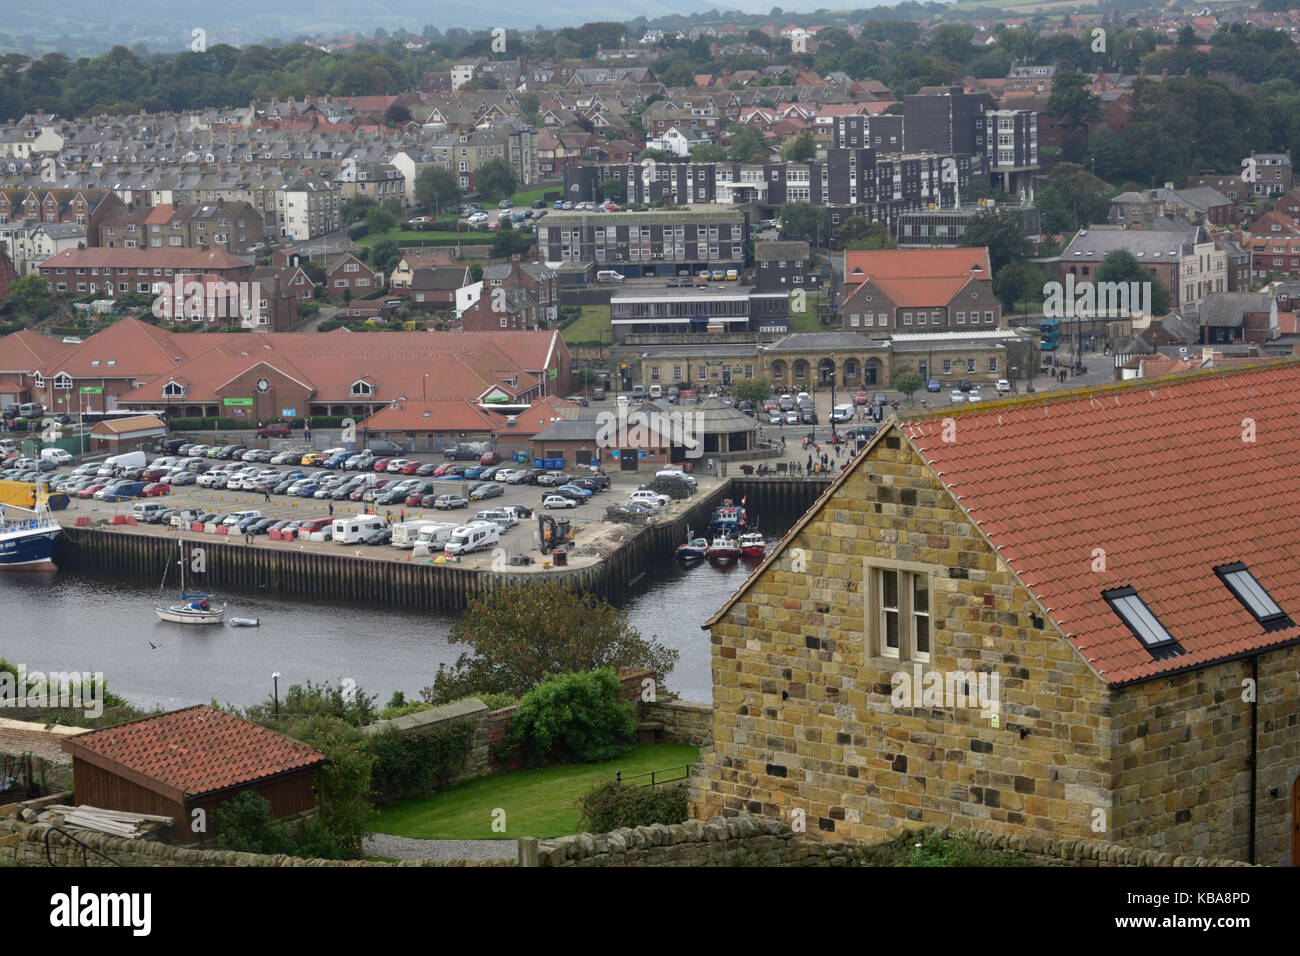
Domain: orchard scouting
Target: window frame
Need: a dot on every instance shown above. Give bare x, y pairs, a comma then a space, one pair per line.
874, 610
1270, 622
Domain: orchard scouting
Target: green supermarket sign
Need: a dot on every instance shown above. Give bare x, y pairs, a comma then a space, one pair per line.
91, 390
237, 401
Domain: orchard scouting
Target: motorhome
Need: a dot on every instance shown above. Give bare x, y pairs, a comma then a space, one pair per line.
406, 533
352, 530
473, 537
432, 539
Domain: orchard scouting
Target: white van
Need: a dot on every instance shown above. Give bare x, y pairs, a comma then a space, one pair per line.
352, 530
238, 517
656, 391
432, 539
505, 520
842, 413
130, 459
143, 510
609, 275
473, 537
56, 455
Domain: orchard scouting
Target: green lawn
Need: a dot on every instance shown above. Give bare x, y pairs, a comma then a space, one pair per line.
588, 329
402, 235
538, 803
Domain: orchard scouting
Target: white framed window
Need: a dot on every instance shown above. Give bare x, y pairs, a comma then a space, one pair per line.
899, 610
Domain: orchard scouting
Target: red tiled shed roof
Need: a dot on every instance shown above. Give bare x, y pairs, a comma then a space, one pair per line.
1158, 477
196, 751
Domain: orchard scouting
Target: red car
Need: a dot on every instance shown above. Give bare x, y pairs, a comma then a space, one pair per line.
89, 490
153, 474
381, 464
861, 398
489, 458
411, 467
414, 501
156, 488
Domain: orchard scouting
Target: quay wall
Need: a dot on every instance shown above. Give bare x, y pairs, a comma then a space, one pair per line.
282, 570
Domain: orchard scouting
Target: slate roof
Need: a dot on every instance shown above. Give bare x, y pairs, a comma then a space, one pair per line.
197, 750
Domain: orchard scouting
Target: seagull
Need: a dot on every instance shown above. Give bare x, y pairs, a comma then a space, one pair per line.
153, 645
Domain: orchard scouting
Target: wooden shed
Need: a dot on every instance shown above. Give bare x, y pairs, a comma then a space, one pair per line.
126, 434
195, 758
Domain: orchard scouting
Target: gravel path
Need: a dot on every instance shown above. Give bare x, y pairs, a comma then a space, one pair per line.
408, 848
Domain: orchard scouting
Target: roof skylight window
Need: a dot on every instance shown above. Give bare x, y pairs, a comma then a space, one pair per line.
1246, 588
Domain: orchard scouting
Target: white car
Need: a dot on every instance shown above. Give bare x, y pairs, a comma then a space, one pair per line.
477, 218
956, 396
652, 498
974, 396
1003, 386
513, 477
558, 501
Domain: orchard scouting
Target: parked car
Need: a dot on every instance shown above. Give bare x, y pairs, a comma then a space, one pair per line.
447, 502
274, 430
1003, 386
513, 476
860, 397
558, 501
552, 478
956, 396
488, 489
933, 385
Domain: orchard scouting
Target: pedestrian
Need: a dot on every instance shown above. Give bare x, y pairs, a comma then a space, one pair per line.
248, 537
331, 509
403, 513
810, 463
266, 494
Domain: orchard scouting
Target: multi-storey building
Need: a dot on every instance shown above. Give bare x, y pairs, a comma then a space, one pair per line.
724, 309
910, 290
233, 226
306, 207
677, 242
1184, 258
375, 181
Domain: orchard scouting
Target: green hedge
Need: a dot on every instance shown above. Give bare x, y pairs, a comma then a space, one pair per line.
572, 718
609, 806
417, 761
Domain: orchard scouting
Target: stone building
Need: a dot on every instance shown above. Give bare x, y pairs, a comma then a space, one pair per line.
978, 625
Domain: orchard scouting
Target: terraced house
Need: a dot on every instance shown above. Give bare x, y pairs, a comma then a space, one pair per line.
1060, 617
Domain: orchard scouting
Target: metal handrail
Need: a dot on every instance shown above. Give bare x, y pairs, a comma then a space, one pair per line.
84, 847
619, 778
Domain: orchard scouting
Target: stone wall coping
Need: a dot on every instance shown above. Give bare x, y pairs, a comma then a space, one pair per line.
427, 718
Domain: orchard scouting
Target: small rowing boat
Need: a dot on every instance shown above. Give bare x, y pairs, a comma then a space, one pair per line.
245, 622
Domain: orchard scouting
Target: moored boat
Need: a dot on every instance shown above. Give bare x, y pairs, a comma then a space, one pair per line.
28, 544
728, 518
193, 608
752, 545
723, 549
693, 550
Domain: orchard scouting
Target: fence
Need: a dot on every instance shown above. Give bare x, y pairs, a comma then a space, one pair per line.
656, 776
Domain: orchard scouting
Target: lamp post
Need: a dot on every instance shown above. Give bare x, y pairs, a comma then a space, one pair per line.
276, 692
833, 377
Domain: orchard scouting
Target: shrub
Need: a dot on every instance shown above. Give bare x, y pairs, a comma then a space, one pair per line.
417, 761
958, 850
572, 718
244, 824
610, 805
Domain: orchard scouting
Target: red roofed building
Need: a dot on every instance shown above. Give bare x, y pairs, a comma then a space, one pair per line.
192, 759
1035, 617
909, 289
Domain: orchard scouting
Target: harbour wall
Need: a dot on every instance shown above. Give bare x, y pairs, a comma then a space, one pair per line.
234, 566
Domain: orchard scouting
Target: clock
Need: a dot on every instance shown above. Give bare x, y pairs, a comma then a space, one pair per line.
263, 385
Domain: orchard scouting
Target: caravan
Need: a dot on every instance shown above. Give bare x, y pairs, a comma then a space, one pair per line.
352, 530
432, 539
473, 537
406, 534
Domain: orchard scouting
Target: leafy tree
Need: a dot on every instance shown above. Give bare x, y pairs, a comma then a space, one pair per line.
384, 255
510, 242
1086, 192
908, 381
29, 296
436, 187
380, 221
521, 634
530, 103
1120, 265
1018, 282
1000, 230
1070, 102
397, 114
755, 390
658, 155
708, 153
572, 718
244, 824
613, 188
800, 148
858, 232
746, 143
1106, 154
355, 209
495, 179
800, 219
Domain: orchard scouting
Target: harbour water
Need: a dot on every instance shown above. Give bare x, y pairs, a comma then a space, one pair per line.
64, 622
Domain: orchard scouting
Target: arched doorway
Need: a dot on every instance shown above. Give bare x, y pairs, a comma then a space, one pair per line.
826, 372
871, 372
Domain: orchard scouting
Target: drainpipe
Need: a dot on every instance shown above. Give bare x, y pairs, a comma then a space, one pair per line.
1254, 748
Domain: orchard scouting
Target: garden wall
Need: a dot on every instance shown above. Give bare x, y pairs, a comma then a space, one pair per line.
685, 721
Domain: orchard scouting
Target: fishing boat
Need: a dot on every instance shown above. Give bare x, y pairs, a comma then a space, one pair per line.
28, 544
752, 545
194, 608
693, 549
723, 549
728, 518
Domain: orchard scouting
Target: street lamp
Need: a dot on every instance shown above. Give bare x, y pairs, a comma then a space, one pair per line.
276, 679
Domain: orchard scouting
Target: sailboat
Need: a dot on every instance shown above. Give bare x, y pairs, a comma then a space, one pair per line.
194, 608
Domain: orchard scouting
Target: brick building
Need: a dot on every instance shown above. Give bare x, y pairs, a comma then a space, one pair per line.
974, 627
905, 289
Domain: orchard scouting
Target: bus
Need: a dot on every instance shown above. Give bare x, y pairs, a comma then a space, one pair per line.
1051, 335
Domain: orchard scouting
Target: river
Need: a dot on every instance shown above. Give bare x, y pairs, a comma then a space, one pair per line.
65, 622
